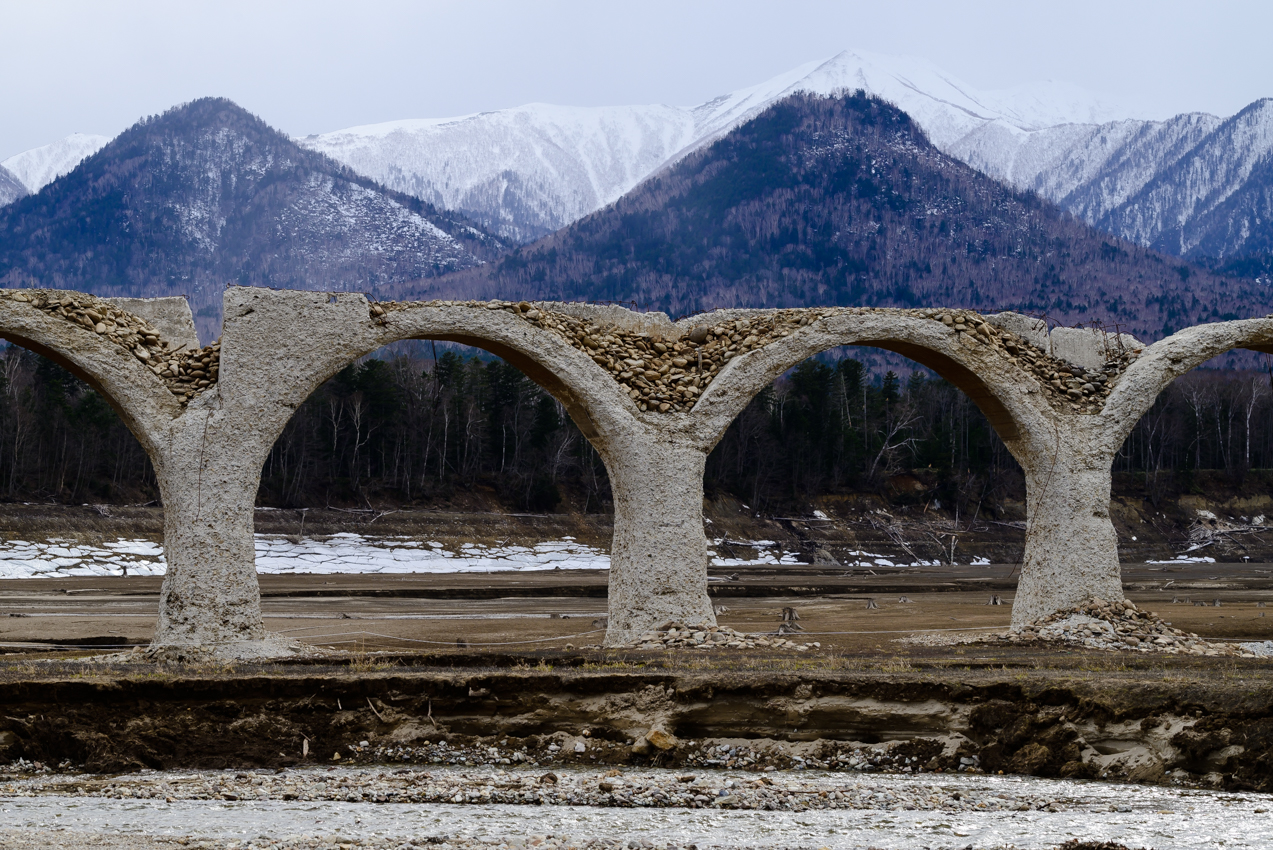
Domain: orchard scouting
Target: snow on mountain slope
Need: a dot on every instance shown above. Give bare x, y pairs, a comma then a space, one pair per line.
1185, 209
208, 193
1086, 168
523, 172
1194, 185
40, 166
11, 188
945, 106
530, 170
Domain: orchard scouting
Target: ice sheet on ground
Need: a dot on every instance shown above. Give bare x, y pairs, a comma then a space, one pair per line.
345, 552
1186, 559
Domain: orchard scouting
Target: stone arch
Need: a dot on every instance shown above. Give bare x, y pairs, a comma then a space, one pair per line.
280, 346
336, 330
1168, 359
277, 348
1070, 548
132, 390
991, 381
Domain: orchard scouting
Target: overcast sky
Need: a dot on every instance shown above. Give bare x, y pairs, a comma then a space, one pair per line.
308, 67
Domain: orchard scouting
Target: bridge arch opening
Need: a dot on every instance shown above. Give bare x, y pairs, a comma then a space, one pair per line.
858, 428
482, 462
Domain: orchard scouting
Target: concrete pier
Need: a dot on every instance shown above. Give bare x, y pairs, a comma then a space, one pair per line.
653, 397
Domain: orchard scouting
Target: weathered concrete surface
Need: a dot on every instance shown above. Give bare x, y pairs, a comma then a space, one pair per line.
659, 560
659, 556
105, 361
1065, 450
652, 396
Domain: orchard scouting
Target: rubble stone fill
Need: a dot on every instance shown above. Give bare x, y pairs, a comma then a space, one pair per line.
184, 372
668, 373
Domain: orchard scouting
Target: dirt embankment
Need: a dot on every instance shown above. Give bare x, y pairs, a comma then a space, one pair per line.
1210, 728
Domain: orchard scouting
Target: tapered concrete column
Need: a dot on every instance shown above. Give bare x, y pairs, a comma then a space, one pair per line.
658, 558
1071, 550
210, 597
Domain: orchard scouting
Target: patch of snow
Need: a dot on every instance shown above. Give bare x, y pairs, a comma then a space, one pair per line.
38, 167
529, 170
276, 554
1264, 649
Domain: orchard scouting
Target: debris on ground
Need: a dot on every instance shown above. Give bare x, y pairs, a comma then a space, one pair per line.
1120, 625
676, 635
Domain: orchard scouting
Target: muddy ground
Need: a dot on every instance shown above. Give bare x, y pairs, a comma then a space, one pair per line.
528, 686
528, 679
1039, 713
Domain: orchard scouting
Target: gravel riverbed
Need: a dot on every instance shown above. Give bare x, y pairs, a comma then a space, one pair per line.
378, 807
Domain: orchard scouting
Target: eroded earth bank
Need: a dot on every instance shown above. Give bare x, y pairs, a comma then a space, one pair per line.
1204, 722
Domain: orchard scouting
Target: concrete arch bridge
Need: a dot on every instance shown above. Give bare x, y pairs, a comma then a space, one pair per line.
653, 397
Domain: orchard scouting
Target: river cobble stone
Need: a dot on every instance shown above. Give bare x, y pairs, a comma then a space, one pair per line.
675, 635
184, 372
1120, 625
644, 788
668, 373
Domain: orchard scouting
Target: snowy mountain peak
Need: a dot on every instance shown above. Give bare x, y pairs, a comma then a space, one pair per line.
532, 169
524, 171
38, 167
945, 106
11, 188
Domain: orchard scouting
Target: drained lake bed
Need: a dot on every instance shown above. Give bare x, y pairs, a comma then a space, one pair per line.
802, 809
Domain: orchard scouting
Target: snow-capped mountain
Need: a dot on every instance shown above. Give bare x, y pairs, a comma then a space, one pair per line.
1194, 185
521, 172
1214, 201
40, 166
716, 230
206, 194
11, 188
533, 169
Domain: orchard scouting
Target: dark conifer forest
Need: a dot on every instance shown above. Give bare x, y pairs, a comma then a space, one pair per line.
817, 201
407, 431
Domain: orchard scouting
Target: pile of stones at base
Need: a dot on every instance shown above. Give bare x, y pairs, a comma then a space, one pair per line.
669, 374
677, 635
185, 373
1120, 625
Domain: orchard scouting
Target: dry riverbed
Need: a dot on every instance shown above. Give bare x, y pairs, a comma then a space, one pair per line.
636, 808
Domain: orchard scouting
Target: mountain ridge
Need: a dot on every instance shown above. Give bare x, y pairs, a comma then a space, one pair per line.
207, 194
844, 201
540, 163
1194, 185
527, 171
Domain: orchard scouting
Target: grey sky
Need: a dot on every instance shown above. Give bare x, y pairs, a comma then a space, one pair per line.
307, 67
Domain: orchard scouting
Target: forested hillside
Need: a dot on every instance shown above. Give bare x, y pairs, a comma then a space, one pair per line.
206, 195
406, 431
842, 200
